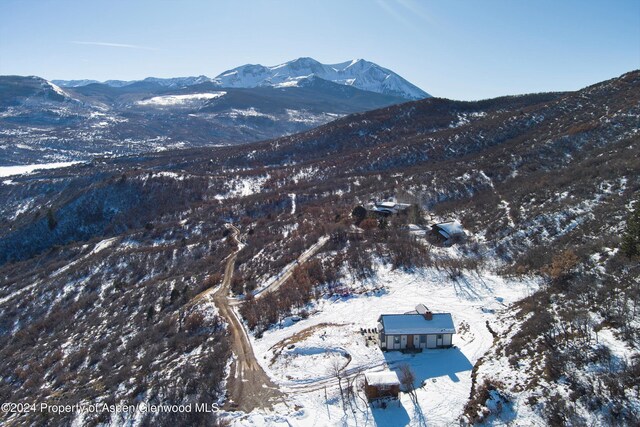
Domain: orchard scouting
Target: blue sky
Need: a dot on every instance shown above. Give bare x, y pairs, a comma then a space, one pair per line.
456, 49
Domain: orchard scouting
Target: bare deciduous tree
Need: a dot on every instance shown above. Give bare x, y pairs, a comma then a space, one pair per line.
407, 379
336, 369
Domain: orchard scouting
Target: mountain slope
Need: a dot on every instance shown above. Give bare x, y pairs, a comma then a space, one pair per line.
541, 183
17, 90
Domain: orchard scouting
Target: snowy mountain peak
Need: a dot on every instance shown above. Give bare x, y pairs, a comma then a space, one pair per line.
359, 73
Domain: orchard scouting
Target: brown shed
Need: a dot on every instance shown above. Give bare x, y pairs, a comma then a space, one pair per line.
380, 385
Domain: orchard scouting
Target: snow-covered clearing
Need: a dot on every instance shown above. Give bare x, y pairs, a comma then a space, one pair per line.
298, 355
235, 113
245, 186
293, 203
167, 100
103, 245
23, 169
172, 175
466, 118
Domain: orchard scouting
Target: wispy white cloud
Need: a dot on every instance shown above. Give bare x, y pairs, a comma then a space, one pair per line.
120, 45
407, 12
417, 9
391, 8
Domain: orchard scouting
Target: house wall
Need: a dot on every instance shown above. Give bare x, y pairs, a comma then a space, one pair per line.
431, 341
390, 343
446, 340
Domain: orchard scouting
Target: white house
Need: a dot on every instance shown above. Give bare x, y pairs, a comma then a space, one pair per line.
448, 230
415, 330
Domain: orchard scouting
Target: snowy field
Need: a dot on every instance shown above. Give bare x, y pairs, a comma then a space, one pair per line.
22, 169
298, 355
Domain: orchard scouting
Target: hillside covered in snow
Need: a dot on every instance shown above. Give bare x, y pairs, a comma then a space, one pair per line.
252, 277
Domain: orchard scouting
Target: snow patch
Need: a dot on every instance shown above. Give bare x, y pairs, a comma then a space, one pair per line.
169, 100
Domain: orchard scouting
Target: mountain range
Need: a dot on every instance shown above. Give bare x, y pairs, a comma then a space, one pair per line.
42, 121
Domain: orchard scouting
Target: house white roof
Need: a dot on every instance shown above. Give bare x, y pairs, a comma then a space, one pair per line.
416, 324
380, 209
390, 205
451, 228
387, 378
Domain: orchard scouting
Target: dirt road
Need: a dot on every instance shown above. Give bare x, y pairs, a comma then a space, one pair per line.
248, 386
284, 275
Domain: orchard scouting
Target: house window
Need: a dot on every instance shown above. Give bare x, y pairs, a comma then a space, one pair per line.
396, 339
423, 339
439, 337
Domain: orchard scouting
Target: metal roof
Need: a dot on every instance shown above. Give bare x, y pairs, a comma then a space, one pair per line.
416, 324
382, 378
450, 228
386, 204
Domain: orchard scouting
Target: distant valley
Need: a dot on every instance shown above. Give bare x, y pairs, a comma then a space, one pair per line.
58, 121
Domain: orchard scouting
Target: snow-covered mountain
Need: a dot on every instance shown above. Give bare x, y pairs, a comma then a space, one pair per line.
361, 74
177, 82
358, 73
74, 83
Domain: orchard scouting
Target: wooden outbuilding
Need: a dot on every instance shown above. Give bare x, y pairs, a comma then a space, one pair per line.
381, 385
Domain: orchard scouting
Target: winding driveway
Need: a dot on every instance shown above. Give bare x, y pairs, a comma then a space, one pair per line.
248, 386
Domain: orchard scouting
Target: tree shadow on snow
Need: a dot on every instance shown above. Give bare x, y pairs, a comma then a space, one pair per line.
431, 363
393, 415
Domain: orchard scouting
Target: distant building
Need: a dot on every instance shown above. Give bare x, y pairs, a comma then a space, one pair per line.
448, 230
381, 385
388, 208
415, 330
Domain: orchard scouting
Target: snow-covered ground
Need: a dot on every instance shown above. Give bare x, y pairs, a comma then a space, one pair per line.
298, 355
22, 169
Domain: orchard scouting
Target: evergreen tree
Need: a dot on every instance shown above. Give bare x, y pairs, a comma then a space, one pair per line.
359, 213
631, 238
51, 219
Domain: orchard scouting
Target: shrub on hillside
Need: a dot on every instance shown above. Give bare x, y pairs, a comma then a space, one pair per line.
631, 239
